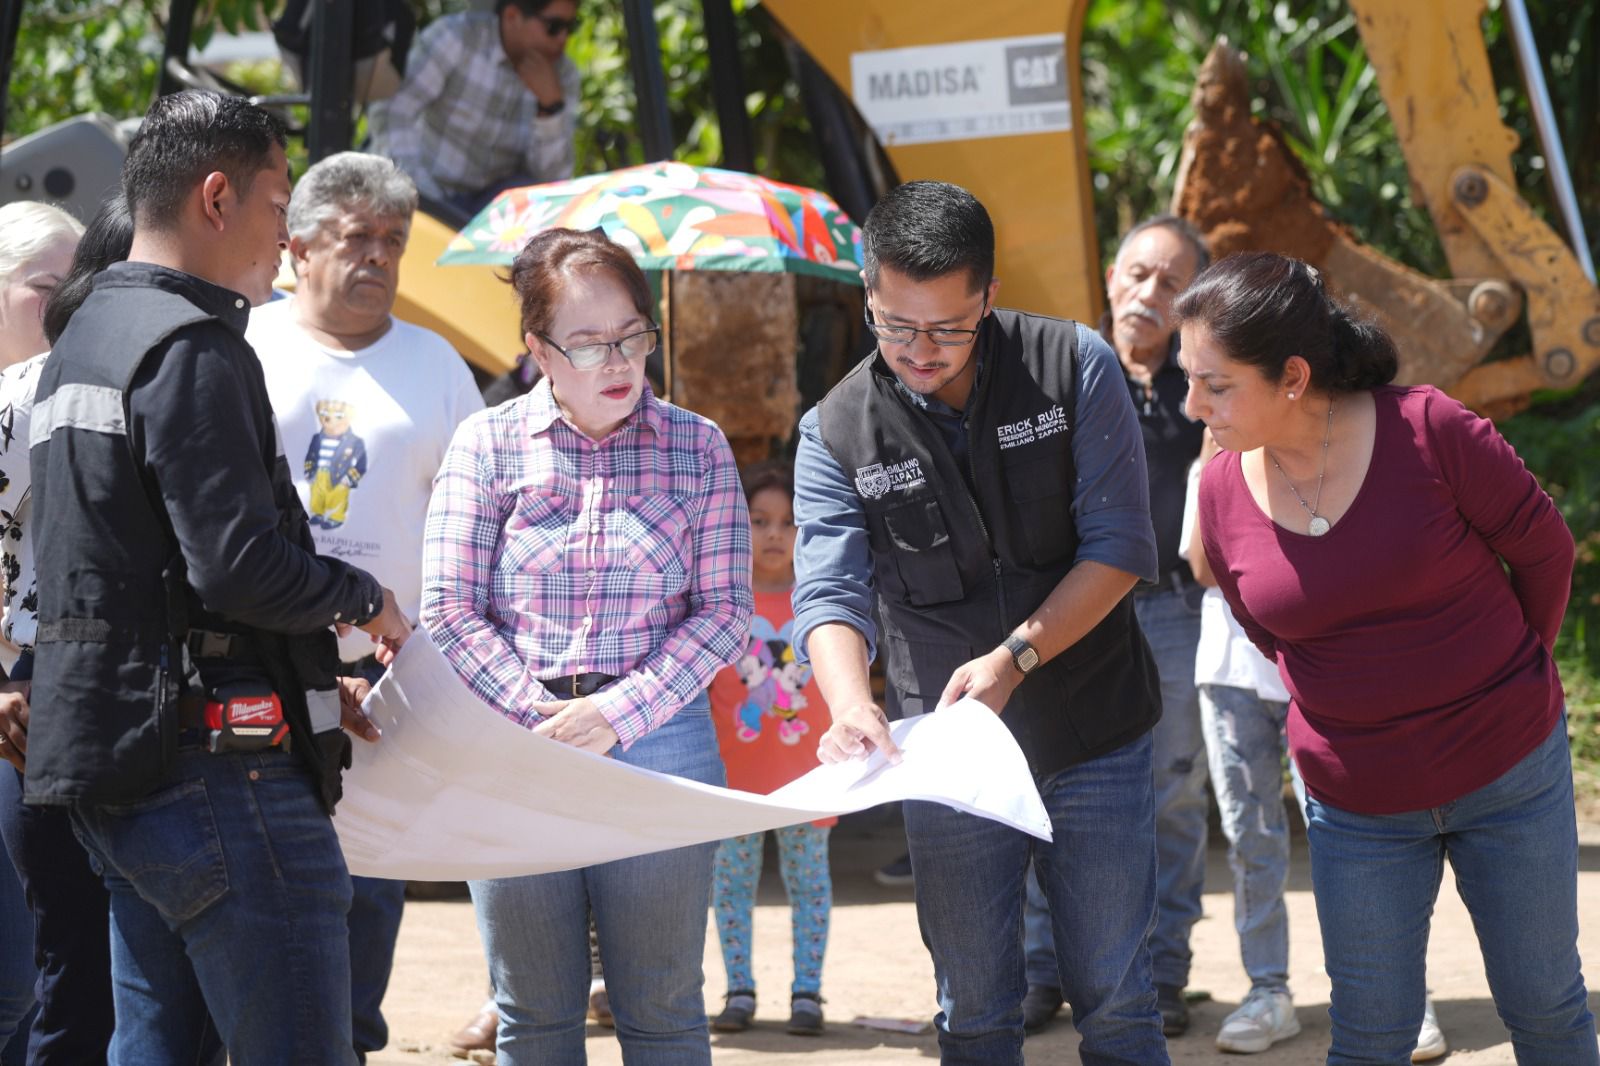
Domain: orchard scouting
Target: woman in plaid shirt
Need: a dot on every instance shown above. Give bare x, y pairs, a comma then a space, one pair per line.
587, 572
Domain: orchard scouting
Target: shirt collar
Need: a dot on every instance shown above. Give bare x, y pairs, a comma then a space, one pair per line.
544, 412
227, 305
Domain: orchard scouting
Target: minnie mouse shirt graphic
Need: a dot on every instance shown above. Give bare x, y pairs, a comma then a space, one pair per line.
768, 711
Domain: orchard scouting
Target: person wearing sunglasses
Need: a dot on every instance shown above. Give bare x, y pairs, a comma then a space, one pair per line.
488, 103
980, 475
586, 572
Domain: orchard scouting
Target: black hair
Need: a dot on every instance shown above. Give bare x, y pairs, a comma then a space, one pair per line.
1180, 226
184, 137
767, 474
927, 229
1262, 308
527, 7
106, 240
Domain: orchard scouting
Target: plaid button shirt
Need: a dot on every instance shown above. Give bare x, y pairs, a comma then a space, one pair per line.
462, 120
547, 554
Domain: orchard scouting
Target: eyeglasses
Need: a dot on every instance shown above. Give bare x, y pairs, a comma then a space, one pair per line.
555, 27
944, 338
588, 356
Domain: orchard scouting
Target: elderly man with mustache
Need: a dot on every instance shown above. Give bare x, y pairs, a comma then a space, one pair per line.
366, 405
1155, 263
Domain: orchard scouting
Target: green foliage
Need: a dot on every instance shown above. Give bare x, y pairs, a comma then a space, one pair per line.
81, 55
1565, 453
608, 136
100, 55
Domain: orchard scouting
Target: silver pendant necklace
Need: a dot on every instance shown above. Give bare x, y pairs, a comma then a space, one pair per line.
1318, 525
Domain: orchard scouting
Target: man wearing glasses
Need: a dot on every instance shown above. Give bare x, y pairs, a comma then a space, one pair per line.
489, 102
982, 474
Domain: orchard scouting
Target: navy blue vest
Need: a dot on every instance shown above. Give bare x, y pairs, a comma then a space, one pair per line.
957, 568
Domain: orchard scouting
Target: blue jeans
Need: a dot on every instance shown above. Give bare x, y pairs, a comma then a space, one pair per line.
17, 970
1038, 943
1171, 623
650, 914
1099, 875
1245, 742
1513, 845
228, 891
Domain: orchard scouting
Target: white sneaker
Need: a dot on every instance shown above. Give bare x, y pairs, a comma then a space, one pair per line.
1430, 1041
1265, 1017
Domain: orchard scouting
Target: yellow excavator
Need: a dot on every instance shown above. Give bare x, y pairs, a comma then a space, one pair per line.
990, 96
955, 90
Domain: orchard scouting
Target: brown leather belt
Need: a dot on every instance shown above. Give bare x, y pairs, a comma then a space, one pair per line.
576, 686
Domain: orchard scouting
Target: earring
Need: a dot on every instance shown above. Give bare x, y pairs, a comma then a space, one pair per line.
1291, 396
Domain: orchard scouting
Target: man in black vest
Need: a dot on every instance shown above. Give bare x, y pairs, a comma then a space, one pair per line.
981, 473
187, 708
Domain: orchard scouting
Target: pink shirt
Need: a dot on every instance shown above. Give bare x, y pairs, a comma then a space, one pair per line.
1418, 668
547, 553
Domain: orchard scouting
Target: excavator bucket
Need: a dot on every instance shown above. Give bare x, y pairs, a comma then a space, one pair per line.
1242, 187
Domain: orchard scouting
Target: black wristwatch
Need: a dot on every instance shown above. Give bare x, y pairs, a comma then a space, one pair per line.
1023, 654
546, 110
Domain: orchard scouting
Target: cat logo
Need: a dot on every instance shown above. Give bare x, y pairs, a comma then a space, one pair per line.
872, 482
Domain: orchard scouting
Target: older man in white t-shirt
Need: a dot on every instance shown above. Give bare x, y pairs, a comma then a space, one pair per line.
366, 406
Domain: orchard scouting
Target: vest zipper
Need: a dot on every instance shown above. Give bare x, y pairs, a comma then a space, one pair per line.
988, 541
161, 691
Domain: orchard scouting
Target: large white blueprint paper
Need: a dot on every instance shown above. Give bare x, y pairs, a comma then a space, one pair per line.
455, 792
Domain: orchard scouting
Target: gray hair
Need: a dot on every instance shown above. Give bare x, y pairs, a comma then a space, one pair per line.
27, 228
1180, 226
348, 180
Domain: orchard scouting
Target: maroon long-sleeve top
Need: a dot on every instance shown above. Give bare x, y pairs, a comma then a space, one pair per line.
1414, 637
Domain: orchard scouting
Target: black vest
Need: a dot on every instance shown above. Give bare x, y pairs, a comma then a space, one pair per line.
957, 569
115, 602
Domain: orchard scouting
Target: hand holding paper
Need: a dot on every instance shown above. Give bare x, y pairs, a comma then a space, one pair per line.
457, 792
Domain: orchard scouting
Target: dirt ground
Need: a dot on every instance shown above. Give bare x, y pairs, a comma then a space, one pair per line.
877, 966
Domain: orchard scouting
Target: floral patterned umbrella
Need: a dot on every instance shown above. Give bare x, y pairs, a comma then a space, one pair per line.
674, 216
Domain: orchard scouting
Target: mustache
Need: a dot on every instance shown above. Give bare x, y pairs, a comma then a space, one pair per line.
1139, 309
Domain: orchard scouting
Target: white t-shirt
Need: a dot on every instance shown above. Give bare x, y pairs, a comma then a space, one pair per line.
1225, 655
19, 618
364, 433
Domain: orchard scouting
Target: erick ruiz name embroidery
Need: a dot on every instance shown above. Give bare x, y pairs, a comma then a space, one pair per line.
1026, 431
876, 481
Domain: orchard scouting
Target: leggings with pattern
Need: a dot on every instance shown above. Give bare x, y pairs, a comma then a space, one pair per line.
803, 853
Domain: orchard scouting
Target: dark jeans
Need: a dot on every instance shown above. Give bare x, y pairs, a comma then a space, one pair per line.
375, 909
228, 892
70, 928
1099, 876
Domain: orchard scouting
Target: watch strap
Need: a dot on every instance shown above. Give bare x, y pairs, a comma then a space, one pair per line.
1024, 655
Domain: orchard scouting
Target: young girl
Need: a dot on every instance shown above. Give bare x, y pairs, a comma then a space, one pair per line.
768, 715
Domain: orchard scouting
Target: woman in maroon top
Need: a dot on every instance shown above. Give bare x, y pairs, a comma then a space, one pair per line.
1390, 551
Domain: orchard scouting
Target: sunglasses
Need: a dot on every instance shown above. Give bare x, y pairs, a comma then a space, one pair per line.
556, 27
